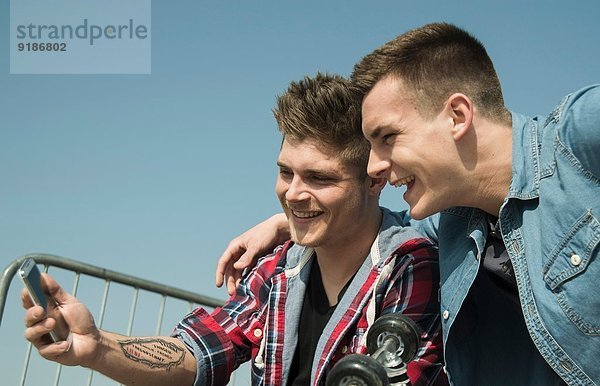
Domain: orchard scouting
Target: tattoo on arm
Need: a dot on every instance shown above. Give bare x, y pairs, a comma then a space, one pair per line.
153, 352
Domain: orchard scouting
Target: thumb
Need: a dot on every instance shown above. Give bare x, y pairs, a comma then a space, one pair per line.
55, 291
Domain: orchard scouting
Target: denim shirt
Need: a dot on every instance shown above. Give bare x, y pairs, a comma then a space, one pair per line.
550, 225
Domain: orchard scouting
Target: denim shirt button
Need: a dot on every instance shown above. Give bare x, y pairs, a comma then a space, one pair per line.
575, 259
446, 314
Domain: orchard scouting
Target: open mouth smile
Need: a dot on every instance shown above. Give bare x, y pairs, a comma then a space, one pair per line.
306, 214
402, 181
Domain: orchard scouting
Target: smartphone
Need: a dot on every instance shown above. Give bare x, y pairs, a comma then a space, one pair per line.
31, 277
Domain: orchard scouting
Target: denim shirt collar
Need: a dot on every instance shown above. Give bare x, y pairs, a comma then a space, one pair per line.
525, 167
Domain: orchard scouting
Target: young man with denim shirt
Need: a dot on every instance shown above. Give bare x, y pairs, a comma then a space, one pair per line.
310, 302
518, 198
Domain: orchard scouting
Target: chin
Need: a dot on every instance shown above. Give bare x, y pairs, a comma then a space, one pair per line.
418, 213
306, 241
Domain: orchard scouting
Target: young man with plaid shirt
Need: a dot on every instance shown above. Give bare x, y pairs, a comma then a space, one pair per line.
310, 302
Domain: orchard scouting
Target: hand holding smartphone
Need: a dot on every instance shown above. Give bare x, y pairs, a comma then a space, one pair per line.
31, 277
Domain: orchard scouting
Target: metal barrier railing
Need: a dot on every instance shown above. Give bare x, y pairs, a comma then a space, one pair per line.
78, 268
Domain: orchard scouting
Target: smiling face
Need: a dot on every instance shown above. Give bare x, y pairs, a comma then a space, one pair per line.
323, 199
407, 149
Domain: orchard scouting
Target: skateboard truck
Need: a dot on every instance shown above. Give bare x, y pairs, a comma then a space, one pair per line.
392, 342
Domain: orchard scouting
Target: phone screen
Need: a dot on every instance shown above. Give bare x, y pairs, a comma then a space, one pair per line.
30, 274
31, 277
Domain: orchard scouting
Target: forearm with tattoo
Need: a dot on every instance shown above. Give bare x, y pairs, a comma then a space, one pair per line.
152, 352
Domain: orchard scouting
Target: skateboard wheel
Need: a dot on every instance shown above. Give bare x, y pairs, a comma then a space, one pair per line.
402, 328
357, 370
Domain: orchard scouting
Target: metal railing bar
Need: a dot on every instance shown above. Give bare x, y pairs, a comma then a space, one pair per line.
74, 293
75, 284
100, 319
161, 314
78, 268
103, 303
26, 365
102, 273
58, 372
136, 291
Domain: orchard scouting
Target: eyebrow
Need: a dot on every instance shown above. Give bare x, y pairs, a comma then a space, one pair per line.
322, 172
375, 134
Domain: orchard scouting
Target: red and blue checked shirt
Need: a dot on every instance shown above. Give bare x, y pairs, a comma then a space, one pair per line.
260, 322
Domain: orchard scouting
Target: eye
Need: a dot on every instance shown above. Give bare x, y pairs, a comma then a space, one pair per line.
286, 174
321, 179
387, 139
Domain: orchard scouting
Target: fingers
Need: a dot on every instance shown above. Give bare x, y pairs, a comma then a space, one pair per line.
231, 277
33, 315
219, 278
232, 253
54, 350
243, 251
238, 256
233, 280
26, 299
37, 334
37, 327
247, 259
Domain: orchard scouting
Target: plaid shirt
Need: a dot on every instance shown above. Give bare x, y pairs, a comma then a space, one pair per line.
260, 321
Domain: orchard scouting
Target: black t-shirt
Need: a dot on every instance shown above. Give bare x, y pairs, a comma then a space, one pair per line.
499, 269
313, 319
497, 262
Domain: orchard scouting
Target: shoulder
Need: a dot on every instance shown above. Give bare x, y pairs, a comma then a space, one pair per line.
586, 98
578, 115
398, 228
578, 127
399, 240
412, 254
411, 278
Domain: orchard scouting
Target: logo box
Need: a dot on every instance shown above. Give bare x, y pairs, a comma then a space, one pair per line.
80, 37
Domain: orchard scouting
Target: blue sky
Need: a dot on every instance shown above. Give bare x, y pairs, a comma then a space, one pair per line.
152, 175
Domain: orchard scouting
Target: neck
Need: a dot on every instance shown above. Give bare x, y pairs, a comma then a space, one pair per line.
490, 179
340, 262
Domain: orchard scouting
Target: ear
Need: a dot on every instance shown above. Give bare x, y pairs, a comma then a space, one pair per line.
460, 110
376, 185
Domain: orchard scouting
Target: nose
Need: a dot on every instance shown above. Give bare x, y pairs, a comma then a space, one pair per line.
378, 167
296, 190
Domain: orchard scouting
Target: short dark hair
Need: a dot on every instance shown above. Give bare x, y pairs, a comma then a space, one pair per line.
435, 61
325, 109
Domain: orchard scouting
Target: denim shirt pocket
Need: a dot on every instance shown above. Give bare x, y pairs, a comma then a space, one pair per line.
572, 271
